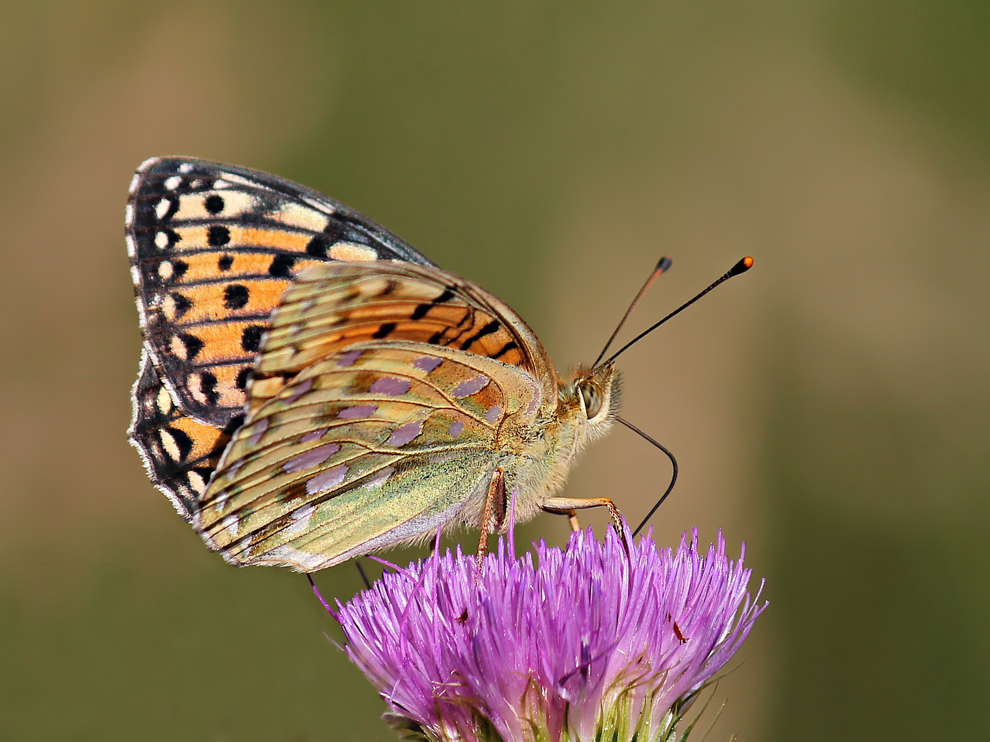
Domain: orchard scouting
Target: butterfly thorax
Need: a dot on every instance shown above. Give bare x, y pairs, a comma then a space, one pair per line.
586, 406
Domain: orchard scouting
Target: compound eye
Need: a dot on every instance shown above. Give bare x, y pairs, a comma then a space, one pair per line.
592, 396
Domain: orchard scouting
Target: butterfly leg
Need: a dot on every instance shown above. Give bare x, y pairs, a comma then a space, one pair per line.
493, 516
572, 520
569, 505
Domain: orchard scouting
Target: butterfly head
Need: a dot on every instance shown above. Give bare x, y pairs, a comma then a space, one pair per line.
593, 398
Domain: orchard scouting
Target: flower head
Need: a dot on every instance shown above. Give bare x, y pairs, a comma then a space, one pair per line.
587, 643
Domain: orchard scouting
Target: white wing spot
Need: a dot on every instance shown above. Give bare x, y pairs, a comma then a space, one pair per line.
304, 512
352, 252
161, 240
300, 521
172, 183
379, 479
162, 207
197, 482
163, 401
165, 270
170, 446
178, 348
186, 167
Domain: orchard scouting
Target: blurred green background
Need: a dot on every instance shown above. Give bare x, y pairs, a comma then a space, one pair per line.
830, 408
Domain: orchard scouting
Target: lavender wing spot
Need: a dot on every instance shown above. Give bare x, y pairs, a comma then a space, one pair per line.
313, 435
471, 386
349, 358
427, 363
234, 468
299, 390
391, 386
361, 410
257, 431
493, 414
456, 429
326, 480
309, 459
404, 434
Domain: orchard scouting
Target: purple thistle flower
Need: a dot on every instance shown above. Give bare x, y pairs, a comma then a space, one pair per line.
587, 643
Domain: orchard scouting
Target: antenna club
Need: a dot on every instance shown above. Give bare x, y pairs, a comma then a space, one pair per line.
663, 265
741, 267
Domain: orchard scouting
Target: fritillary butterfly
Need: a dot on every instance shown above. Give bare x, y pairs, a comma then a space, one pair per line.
312, 388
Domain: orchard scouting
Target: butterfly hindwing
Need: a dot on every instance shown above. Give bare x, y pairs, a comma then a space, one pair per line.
212, 249
372, 445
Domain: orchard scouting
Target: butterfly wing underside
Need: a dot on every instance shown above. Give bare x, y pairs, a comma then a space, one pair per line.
212, 249
374, 415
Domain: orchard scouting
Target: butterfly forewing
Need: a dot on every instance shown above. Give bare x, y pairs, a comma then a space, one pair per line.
212, 248
372, 445
179, 452
331, 307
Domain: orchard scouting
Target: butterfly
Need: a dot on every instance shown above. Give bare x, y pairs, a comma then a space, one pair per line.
312, 388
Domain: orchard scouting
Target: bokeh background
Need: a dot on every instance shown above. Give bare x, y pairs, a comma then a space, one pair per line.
830, 408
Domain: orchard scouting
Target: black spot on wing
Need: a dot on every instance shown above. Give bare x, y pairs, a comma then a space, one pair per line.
214, 204
236, 296
182, 441
242, 377
422, 309
193, 345
318, 246
511, 345
251, 338
218, 235
208, 386
384, 331
488, 329
232, 425
281, 266
225, 262
181, 304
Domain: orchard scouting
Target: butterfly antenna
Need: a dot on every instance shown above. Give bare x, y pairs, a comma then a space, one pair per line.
741, 267
673, 476
364, 576
662, 267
